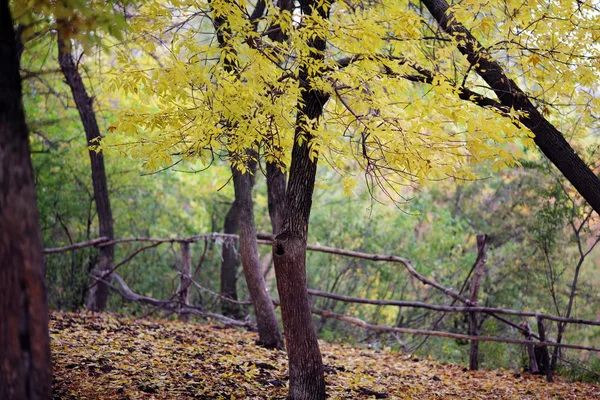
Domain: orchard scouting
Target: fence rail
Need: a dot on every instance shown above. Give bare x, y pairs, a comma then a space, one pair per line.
468, 307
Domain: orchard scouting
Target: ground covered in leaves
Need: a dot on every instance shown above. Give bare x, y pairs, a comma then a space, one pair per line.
103, 356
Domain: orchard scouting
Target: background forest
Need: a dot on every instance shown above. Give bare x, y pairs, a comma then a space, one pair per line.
541, 234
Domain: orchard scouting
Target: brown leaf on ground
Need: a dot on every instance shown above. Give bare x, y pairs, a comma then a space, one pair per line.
103, 356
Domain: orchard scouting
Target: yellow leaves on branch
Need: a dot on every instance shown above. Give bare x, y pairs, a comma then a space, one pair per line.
186, 95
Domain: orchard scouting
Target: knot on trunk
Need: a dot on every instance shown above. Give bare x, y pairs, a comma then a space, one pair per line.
287, 242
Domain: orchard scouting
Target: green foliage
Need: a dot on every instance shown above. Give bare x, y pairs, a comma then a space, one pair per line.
588, 372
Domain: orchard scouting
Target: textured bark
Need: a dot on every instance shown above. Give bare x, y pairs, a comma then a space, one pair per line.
276, 196
475, 285
305, 361
307, 380
229, 265
549, 139
25, 367
275, 177
269, 334
98, 294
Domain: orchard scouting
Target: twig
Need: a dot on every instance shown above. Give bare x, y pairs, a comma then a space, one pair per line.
76, 246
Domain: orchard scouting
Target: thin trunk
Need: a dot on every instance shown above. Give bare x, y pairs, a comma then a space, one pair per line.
268, 327
276, 180
563, 325
25, 366
307, 379
98, 294
276, 196
475, 285
230, 264
549, 139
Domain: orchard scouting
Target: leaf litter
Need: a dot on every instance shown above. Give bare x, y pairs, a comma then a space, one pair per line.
105, 356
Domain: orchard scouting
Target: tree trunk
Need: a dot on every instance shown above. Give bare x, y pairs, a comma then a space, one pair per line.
25, 366
229, 265
307, 380
475, 285
275, 177
276, 196
549, 139
98, 294
269, 334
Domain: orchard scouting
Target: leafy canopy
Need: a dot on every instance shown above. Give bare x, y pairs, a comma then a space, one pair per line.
392, 77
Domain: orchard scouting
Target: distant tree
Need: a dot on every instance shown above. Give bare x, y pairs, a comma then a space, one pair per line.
230, 262
98, 294
25, 365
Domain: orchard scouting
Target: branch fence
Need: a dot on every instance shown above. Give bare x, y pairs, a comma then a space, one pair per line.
179, 302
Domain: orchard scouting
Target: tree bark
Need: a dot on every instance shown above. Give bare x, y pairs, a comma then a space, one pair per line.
229, 265
475, 285
276, 196
98, 294
549, 139
269, 334
25, 366
307, 379
276, 180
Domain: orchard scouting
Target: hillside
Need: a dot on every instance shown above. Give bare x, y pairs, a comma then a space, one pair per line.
112, 357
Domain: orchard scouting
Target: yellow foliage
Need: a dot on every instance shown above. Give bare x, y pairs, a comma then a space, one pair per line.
194, 89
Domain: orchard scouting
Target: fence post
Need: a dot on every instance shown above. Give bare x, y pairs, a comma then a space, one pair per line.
542, 352
533, 365
185, 270
475, 285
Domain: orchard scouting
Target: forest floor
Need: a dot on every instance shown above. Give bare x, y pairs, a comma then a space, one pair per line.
105, 356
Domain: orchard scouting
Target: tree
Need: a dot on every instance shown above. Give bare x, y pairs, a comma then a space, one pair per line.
98, 294
25, 365
369, 84
230, 263
268, 327
511, 97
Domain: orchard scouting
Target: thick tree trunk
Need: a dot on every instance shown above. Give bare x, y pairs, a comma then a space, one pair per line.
307, 380
25, 367
289, 255
98, 293
276, 196
229, 265
268, 327
475, 285
549, 139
